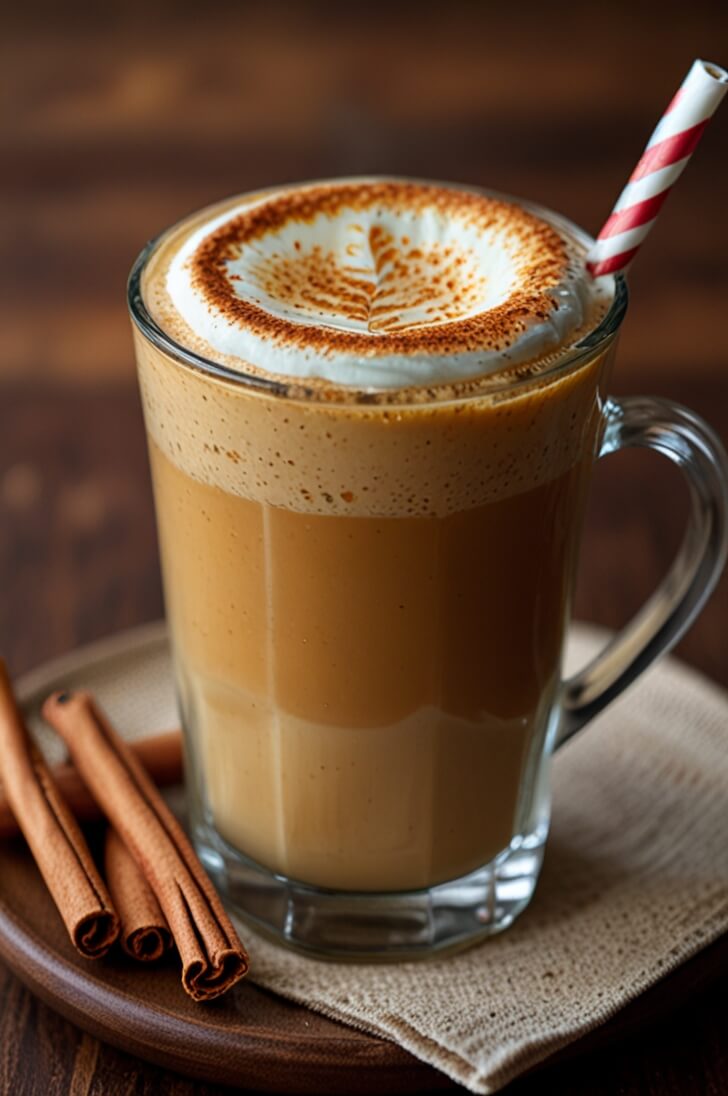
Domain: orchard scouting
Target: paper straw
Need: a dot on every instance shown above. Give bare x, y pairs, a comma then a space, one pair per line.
661, 164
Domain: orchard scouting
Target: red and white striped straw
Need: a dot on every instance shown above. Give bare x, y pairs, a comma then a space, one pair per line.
661, 164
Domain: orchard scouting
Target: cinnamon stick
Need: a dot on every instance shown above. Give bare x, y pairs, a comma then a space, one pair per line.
145, 934
55, 840
160, 754
213, 958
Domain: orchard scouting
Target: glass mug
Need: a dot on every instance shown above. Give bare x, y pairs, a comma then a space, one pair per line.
367, 605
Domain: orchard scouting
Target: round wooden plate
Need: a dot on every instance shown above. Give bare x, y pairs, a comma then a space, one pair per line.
250, 1038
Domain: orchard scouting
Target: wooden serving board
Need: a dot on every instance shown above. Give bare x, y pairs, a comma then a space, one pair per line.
250, 1038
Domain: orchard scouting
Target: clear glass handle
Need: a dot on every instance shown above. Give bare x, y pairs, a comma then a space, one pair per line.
687, 441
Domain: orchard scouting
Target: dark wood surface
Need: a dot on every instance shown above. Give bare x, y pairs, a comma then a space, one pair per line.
119, 118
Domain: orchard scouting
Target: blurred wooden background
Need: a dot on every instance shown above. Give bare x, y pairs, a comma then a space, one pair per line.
119, 118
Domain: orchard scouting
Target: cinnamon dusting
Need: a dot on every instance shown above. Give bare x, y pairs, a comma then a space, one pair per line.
385, 278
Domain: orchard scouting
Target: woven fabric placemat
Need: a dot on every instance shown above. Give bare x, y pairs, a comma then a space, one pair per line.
635, 881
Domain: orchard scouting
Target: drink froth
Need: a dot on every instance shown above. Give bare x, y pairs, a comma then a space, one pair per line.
378, 284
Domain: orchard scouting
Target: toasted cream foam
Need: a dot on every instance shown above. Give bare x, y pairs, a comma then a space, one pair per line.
376, 284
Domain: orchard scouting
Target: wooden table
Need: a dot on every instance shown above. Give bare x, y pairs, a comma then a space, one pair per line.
122, 119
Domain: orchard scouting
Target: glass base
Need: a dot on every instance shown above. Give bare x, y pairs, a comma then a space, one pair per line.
375, 927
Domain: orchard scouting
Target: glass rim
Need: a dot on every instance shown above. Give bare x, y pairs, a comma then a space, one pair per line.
562, 361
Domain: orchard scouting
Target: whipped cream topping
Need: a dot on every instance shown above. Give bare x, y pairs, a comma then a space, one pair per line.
381, 284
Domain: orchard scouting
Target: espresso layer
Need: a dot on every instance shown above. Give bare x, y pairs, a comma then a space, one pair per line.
363, 695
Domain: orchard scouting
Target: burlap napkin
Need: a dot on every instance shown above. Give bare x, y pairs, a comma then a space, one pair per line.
635, 881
